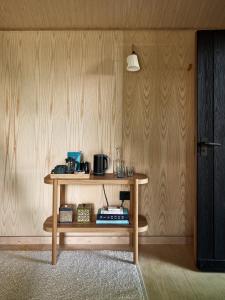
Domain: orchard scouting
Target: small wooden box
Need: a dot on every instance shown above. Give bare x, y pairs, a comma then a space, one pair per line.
84, 213
66, 213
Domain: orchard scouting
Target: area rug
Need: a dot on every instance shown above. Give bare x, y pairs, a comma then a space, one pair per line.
79, 275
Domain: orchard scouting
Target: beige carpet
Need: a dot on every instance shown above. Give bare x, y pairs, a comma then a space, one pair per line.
79, 275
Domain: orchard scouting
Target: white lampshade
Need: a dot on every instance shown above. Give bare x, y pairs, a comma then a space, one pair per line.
132, 63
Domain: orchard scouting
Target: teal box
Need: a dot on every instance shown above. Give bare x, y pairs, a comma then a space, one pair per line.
77, 156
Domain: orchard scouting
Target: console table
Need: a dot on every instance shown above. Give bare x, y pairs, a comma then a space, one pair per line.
137, 223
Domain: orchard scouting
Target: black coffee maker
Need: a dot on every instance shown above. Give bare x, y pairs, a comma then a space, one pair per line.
100, 164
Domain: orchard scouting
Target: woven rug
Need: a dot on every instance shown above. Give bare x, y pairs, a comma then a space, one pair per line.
79, 275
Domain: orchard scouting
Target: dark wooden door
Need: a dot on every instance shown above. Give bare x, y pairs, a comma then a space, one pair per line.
211, 151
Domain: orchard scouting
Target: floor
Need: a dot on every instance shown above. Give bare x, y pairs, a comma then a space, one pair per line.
169, 273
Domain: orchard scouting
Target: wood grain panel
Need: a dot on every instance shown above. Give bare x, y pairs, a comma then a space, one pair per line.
108, 14
159, 127
59, 91
69, 90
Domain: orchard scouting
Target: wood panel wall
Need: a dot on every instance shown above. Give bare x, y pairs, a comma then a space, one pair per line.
68, 90
59, 91
159, 127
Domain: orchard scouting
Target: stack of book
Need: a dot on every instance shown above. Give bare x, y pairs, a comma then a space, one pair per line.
113, 215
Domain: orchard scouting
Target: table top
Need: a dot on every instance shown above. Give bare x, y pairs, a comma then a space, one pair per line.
108, 178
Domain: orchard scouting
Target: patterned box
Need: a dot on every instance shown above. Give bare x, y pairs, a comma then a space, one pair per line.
84, 213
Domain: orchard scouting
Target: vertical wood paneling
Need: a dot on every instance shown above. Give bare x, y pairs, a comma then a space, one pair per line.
68, 90
159, 128
59, 91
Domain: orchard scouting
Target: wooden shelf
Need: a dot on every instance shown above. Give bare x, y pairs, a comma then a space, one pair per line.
52, 225
95, 180
93, 227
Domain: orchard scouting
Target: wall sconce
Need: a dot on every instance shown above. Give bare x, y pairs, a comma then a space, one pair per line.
132, 62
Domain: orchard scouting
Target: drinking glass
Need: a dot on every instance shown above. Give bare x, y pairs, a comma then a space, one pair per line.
130, 171
121, 170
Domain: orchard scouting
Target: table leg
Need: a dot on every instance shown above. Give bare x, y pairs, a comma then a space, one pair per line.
135, 214
54, 221
131, 239
62, 202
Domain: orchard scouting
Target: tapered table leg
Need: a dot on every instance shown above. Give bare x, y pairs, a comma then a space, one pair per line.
135, 216
54, 221
131, 239
62, 202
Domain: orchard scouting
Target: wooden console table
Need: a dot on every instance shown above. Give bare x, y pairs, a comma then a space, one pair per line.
137, 223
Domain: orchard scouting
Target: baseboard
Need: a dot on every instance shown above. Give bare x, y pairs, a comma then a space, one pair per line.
94, 240
44, 240
167, 240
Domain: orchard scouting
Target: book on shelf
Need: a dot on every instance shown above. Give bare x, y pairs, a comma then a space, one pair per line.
120, 219
112, 210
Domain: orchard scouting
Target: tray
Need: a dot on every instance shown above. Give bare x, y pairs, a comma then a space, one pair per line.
70, 176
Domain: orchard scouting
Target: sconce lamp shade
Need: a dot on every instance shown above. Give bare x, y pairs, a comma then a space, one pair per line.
132, 63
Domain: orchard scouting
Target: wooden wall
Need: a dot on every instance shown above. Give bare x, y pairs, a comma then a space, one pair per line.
59, 91
68, 90
159, 127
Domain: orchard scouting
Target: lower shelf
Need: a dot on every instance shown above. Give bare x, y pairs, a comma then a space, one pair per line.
93, 227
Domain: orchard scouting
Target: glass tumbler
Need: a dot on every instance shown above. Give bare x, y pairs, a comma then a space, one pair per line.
130, 171
121, 170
